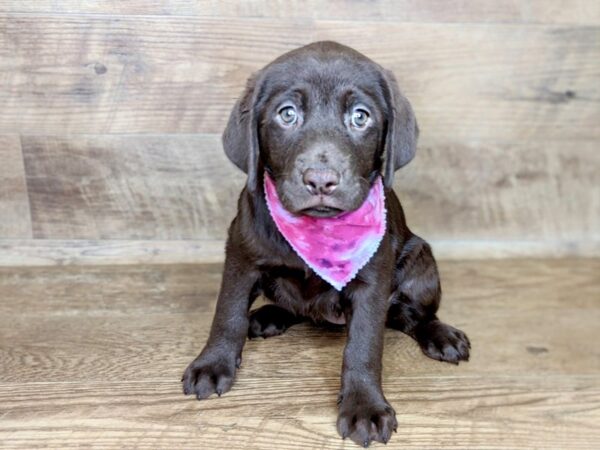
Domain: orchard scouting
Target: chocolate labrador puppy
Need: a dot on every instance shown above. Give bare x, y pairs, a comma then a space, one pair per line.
324, 122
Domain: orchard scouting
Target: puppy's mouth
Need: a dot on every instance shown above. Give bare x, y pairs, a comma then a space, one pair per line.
321, 211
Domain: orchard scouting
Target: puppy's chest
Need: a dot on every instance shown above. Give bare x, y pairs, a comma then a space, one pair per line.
304, 293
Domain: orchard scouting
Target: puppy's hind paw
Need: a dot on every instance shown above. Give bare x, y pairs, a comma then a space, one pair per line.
443, 342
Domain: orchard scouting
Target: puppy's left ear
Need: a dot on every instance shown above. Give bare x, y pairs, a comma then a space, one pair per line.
240, 138
402, 129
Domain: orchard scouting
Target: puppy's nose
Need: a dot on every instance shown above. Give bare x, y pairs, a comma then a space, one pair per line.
320, 181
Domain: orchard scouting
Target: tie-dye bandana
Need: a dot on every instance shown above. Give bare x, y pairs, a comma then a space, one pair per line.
335, 248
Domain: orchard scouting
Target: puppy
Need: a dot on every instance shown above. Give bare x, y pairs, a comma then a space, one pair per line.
324, 125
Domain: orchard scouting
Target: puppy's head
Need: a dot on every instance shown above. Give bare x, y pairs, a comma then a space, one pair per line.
323, 120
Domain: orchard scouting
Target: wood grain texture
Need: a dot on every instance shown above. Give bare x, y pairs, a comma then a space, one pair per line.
111, 324
52, 252
504, 191
512, 11
92, 357
15, 220
111, 187
436, 412
536, 198
56, 252
473, 82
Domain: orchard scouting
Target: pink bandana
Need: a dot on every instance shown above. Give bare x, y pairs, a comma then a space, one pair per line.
335, 248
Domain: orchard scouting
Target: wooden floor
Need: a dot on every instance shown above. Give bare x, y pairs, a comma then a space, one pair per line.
92, 356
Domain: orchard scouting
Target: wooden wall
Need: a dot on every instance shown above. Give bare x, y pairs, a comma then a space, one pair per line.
111, 113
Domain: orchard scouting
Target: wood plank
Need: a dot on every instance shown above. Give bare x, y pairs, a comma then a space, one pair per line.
82, 74
503, 191
299, 412
462, 11
15, 219
111, 187
470, 200
50, 252
96, 291
507, 11
501, 83
71, 324
95, 74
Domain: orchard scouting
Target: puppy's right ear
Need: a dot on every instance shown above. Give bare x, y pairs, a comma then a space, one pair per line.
240, 138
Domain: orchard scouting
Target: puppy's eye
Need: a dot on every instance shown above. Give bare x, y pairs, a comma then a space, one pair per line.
360, 118
288, 115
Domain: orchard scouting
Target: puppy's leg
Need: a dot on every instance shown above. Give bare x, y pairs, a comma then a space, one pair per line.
365, 415
271, 320
415, 304
214, 368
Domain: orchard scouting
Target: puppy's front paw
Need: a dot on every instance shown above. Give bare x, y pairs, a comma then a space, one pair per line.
209, 373
366, 417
